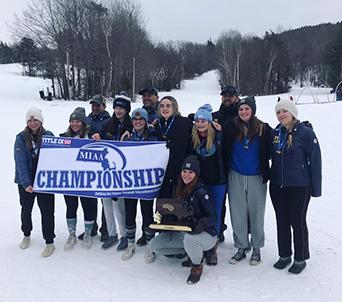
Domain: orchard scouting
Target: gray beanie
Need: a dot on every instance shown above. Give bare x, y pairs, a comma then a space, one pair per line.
34, 113
191, 163
288, 105
78, 114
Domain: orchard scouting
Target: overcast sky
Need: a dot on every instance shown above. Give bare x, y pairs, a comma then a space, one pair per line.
199, 20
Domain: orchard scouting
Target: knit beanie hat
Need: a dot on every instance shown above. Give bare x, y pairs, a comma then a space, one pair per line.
250, 101
140, 112
98, 99
122, 100
204, 113
288, 105
34, 113
191, 163
78, 114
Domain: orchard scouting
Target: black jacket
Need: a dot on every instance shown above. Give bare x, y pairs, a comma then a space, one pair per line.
224, 114
230, 133
178, 141
202, 202
212, 167
299, 165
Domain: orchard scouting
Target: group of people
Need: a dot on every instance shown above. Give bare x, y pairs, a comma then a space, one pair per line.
211, 154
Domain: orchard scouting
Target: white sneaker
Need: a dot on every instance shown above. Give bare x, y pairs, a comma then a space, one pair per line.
25, 243
70, 243
128, 253
87, 242
150, 256
49, 249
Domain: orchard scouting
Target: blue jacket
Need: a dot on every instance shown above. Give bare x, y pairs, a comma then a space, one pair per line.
152, 136
95, 122
23, 160
299, 165
201, 201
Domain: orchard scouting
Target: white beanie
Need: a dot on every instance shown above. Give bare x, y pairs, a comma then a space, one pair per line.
288, 105
34, 113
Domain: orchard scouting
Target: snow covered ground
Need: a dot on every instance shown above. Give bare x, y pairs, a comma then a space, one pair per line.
97, 275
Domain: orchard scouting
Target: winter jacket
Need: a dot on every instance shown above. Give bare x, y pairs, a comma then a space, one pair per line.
23, 160
152, 136
152, 113
107, 135
230, 133
178, 141
213, 163
95, 123
300, 164
202, 202
224, 114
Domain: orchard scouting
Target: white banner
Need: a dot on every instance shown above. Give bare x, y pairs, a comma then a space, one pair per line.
103, 169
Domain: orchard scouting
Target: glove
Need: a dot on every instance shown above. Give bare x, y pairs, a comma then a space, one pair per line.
200, 227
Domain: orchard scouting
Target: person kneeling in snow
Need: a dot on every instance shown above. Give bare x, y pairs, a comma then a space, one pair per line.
203, 236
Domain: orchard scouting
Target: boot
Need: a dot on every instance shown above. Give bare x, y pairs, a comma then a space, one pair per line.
195, 273
87, 238
211, 255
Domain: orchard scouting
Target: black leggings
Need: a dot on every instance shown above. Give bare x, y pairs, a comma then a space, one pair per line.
89, 206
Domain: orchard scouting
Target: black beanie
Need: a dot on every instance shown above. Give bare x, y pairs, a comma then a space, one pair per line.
122, 100
191, 163
78, 114
250, 101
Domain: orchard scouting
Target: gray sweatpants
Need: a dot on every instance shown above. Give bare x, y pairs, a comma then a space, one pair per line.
114, 209
247, 199
173, 243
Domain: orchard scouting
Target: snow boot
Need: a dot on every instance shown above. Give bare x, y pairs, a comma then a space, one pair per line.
195, 273
282, 262
297, 267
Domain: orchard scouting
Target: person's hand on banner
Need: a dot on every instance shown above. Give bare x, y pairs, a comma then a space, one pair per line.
29, 189
96, 137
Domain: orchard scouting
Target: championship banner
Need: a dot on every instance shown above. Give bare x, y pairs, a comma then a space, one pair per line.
103, 169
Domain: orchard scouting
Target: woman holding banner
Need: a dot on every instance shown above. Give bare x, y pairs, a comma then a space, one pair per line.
78, 129
26, 153
114, 208
176, 131
142, 132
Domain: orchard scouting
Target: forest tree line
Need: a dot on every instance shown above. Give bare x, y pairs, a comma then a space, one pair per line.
87, 47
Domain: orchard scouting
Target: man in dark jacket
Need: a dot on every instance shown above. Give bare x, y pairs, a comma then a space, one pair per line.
98, 116
228, 108
95, 121
150, 100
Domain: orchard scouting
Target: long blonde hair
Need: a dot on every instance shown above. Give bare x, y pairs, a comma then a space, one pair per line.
294, 121
210, 137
